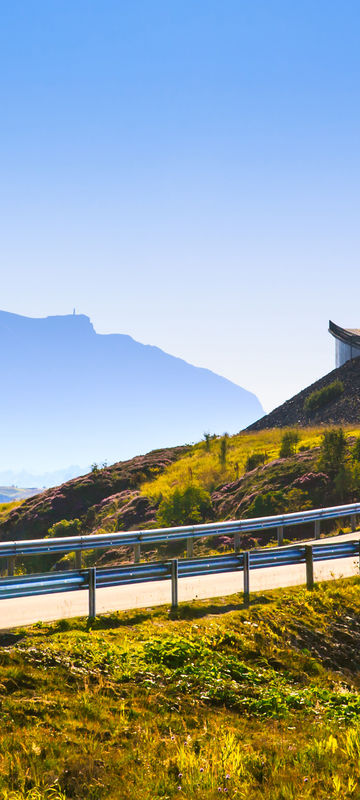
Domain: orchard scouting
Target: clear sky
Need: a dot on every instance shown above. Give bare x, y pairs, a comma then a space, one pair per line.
186, 173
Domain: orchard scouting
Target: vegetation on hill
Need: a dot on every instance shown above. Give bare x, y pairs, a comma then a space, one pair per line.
332, 400
84, 498
263, 473
215, 699
202, 466
321, 397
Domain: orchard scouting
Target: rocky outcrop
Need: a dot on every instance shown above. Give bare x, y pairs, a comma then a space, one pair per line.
342, 410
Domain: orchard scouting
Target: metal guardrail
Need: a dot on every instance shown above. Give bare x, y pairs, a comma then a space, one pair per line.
70, 544
91, 579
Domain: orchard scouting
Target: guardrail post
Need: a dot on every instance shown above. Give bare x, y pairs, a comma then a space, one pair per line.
280, 535
309, 567
11, 566
353, 522
317, 529
189, 547
92, 592
78, 559
174, 583
136, 553
246, 568
237, 542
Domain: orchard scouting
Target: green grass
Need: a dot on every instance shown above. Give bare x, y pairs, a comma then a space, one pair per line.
213, 699
202, 467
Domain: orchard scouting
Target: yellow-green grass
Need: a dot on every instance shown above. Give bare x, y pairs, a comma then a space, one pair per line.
202, 467
5, 509
215, 699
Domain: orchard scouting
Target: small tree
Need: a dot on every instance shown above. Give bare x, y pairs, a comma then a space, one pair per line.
333, 451
254, 460
288, 444
343, 482
207, 438
223, 450
356, 450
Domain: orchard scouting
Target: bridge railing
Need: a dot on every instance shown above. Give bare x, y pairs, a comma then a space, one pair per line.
136, 539
93, 579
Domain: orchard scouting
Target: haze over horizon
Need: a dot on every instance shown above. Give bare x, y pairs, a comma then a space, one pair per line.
188, 175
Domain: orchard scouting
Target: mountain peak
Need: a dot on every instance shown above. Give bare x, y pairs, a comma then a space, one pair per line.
75, 396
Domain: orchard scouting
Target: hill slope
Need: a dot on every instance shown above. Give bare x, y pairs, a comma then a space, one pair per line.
127, 495
215, 700
83, 498
74, 396
344, 409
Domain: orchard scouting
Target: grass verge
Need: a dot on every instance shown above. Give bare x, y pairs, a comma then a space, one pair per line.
212, 700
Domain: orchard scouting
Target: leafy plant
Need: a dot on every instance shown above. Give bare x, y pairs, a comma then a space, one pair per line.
356, 449
223, 450
207, 439
66, 527
267, 504
192, 505
288, 444
254, 460
333, 451
321, 397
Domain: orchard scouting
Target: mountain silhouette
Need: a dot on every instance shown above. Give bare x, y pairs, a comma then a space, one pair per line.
70, 395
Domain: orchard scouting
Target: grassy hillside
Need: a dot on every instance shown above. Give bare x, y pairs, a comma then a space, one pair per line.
258, 704
211, 480
202, 465
83, 498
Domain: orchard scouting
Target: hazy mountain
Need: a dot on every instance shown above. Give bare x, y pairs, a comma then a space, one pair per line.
72, 395
10, 493
23, 478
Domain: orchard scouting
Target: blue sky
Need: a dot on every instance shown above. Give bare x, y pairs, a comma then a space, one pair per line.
186, 173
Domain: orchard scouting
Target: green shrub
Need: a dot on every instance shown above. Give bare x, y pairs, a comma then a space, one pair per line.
254, 460
356, 450
66, 527
223, 450
192, 505
321, 397
207, 439
267, 504
288, 444
333, 451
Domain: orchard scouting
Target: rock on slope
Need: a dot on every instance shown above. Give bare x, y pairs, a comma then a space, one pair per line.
344, 409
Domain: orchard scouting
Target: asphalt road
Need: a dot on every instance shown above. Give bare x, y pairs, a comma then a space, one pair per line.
27, 610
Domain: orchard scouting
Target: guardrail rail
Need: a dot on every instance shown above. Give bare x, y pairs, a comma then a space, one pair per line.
91, 579
135, 539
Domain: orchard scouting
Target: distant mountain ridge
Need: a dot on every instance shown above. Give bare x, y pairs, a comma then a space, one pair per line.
70, 395
8, 494
23, 478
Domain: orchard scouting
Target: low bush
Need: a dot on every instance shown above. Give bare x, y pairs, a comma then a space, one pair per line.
323, 396
356, 450
254, 460
66, 527
288, 444
192, 505
267, 504
333, 451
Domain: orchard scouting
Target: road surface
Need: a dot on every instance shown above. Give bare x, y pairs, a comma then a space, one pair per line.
27, 610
